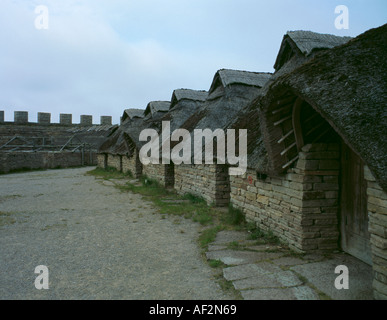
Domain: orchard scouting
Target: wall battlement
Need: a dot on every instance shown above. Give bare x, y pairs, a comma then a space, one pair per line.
44, 118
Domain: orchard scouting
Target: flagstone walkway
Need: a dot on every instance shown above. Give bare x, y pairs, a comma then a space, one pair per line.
272, 272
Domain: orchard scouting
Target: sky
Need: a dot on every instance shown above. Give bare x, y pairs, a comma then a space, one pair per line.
99, 57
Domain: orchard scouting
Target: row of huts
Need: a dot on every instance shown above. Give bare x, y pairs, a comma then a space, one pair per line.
316, 144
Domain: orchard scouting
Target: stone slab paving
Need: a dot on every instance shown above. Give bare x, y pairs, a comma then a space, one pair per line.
235, 257
321, 276
273, 272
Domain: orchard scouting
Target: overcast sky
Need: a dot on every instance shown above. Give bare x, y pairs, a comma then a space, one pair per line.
100, 57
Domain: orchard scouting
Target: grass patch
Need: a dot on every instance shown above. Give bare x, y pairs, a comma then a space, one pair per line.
234, 245
262, 237
109, 173
193, 198
208, 236
215, 263
227, 286
233, 216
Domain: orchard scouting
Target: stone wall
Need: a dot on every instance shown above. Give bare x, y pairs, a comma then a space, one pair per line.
121, 163
10, 161
114, 161
377, 213
300, 207
132, 164
102, 160
22, 117
208, 181
163, 173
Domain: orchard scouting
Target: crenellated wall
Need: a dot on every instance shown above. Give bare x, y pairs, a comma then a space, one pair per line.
44, 118
48, 145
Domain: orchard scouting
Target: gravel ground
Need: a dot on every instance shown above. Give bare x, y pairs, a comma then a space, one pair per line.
97, 242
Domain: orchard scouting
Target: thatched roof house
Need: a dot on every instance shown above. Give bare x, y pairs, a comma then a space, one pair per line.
347, 86
297, 47
322, 145
184, 103
230, 92
187, 95
132, 113
303, 44
154, 107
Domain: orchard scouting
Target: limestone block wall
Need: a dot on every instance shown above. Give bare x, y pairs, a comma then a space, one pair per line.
155, 171
163, 173
300, 207
377, 213
132, 164
102, 160
208, 181
114, 161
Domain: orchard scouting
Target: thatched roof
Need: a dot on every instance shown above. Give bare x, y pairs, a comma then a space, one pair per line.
347, 85
184, 103
304, 43
216, 112
227, 77
156, 106
124, 140
226, 99
187, 94
132, 113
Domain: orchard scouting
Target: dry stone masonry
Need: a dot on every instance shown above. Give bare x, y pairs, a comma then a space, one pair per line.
300, 207
208, 181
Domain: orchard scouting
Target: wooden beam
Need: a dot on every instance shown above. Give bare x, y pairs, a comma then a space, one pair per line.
287, 100
281, 109
285, 136
297, 124
290, 163
288, 148
282, 120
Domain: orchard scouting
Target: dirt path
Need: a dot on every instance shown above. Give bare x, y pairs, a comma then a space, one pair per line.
97, 242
